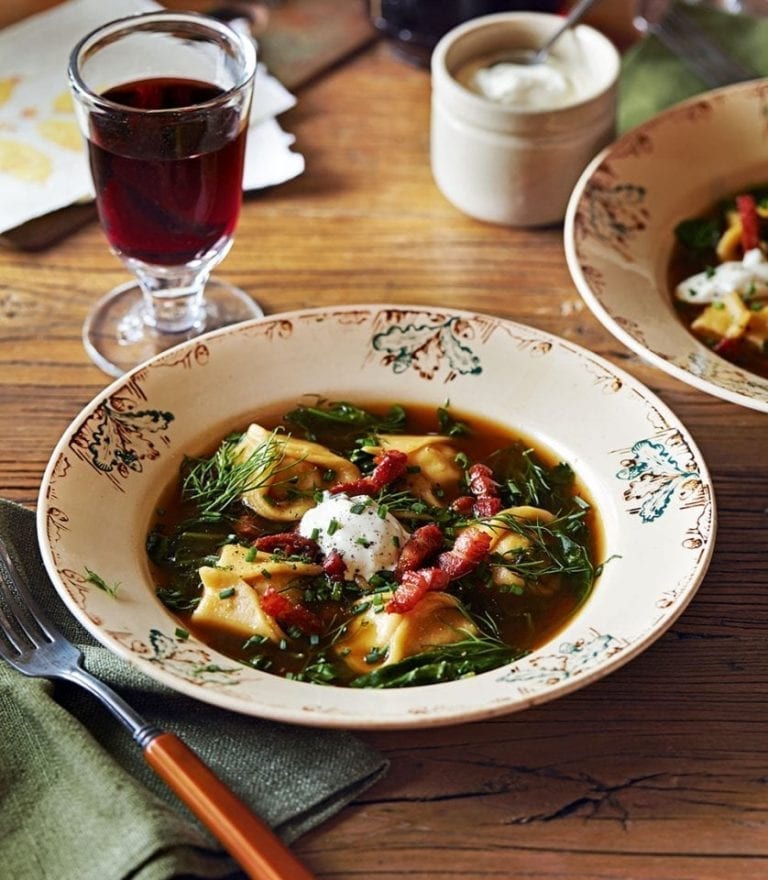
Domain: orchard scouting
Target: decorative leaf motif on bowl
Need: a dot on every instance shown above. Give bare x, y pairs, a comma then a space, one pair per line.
658, 470
612, 213
428, 348
572, 658
189, 662
116, 441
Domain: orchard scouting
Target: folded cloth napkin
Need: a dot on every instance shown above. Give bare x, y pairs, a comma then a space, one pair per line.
653, 78
78, 802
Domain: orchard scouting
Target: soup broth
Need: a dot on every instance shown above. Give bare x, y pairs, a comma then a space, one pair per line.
500, 531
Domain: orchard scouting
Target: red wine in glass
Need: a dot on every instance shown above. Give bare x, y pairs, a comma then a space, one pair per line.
167, 195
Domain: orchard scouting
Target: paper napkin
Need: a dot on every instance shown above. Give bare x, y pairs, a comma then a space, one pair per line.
43, 164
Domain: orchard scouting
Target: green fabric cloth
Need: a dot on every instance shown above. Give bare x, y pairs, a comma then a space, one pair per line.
652, 78
77, 800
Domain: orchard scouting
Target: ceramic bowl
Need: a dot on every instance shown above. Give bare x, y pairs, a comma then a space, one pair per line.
619, 228
642, 468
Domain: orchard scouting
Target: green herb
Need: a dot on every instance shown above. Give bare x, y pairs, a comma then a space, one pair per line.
98, 581
330, 416
214, 483
182, 633
555, 548
177, 600
449, 425
470, 656
698, 234
525, 480
375, 655
226, 593
333, 526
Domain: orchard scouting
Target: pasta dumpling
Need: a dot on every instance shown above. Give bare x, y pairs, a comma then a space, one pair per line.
294, 471
376, 638
507, 541
433, 474
231, 605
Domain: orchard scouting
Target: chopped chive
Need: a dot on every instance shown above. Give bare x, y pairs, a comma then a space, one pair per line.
226, 593
251, 554
182, 633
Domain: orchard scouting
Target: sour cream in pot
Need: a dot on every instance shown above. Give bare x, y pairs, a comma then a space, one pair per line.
543, 86
354, 528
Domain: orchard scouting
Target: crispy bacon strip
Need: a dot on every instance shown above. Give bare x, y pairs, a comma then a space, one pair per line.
485, 490
284, 611
390, 466
334, 566
422, 544
468, 551
290, 543
750, 222
413, 587
464, 505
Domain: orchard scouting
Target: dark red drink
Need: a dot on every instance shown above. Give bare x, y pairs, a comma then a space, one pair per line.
168, 189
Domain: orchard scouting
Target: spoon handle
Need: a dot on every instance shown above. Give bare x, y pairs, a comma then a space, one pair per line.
573, 16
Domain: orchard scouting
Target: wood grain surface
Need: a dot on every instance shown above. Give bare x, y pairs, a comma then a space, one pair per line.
658, 772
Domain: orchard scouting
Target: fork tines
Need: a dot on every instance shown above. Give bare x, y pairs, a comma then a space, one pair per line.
696, 49
22, 625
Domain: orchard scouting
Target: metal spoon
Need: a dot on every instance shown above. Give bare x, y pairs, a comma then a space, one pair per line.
540, 55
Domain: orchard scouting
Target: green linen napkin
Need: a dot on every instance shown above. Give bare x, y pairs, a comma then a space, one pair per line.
77, 800
652, 78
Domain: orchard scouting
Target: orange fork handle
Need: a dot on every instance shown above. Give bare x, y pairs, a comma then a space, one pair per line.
249, 840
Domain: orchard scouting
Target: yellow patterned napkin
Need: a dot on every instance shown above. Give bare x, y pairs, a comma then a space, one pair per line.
43, 163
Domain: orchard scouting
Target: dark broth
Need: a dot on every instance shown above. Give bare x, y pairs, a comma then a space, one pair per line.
522, 620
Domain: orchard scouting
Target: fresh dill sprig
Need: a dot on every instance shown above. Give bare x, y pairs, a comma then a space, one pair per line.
98, 581
553, 549
212, 484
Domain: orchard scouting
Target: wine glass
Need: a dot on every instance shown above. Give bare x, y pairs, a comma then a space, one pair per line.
163, 100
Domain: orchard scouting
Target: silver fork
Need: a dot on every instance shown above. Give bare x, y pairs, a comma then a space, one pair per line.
675, 29
32, 645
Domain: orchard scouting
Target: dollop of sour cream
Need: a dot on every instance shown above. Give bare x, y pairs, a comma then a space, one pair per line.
367, 541
543, 86
747, 277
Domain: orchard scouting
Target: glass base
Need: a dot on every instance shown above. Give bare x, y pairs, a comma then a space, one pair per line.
117, 338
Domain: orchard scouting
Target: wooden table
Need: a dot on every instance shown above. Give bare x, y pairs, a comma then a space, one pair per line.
658, 772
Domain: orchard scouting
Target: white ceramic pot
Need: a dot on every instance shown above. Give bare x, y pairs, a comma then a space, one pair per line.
508, 163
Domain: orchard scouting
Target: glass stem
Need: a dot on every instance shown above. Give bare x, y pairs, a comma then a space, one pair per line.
173, 298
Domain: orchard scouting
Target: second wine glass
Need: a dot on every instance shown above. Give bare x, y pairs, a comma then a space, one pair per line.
163, 100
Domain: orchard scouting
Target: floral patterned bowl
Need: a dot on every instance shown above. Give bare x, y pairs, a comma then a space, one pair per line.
643, 470
619, 227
